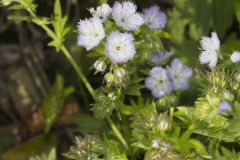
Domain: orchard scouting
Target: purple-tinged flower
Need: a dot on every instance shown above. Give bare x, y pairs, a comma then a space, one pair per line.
210, 50
91, 32
224, 108
235, 57
102, 12
179, 75
119, 47
158, 82
160, 58
154, 18
125, 15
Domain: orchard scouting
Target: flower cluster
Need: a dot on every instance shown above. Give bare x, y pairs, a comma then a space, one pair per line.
119, 47
162, 81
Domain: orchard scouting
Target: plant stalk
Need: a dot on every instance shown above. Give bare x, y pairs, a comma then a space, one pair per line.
117, 133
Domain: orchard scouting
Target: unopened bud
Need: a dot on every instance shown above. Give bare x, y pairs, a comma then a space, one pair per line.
163, 125
100, 65
109, 78
228, 96
120, 72
155, 144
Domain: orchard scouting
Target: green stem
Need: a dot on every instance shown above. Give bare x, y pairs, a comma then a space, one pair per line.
78, 71
127, 135
68, 56
117, 133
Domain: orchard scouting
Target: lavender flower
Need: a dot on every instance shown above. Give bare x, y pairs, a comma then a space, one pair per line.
160, 58
120, 47
102, 12
235, 57
91, 32
179, 74
125, 15
154, 18
210, 50
158, 82
224, 108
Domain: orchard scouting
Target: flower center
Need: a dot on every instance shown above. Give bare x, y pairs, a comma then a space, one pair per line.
118, 48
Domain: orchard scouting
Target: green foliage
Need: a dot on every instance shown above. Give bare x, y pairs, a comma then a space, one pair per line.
60, 30
154, 128
222, 16
53, 103
89, 147
236, 5
105, 102
87, 124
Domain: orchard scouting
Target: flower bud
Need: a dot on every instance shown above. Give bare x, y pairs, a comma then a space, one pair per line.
163, 125
155, 144
100, 66
109, 78
237, 77
119, 72
228, 96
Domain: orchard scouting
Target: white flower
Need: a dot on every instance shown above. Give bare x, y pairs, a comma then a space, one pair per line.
120, 47
179, 74
210, 50
102, 12
160, 58
125, 15
235, 57
154, 18
91, 32
158, 82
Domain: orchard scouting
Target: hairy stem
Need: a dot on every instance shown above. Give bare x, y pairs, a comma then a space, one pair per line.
78, 71
117, 133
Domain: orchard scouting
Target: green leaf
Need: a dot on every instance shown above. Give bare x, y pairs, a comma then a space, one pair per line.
88, 124
57, 9
222, 16
52, 155
199, 147
237, 9
134, 89
52, 104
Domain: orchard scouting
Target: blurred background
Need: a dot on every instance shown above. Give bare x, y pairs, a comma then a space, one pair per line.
28, 68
